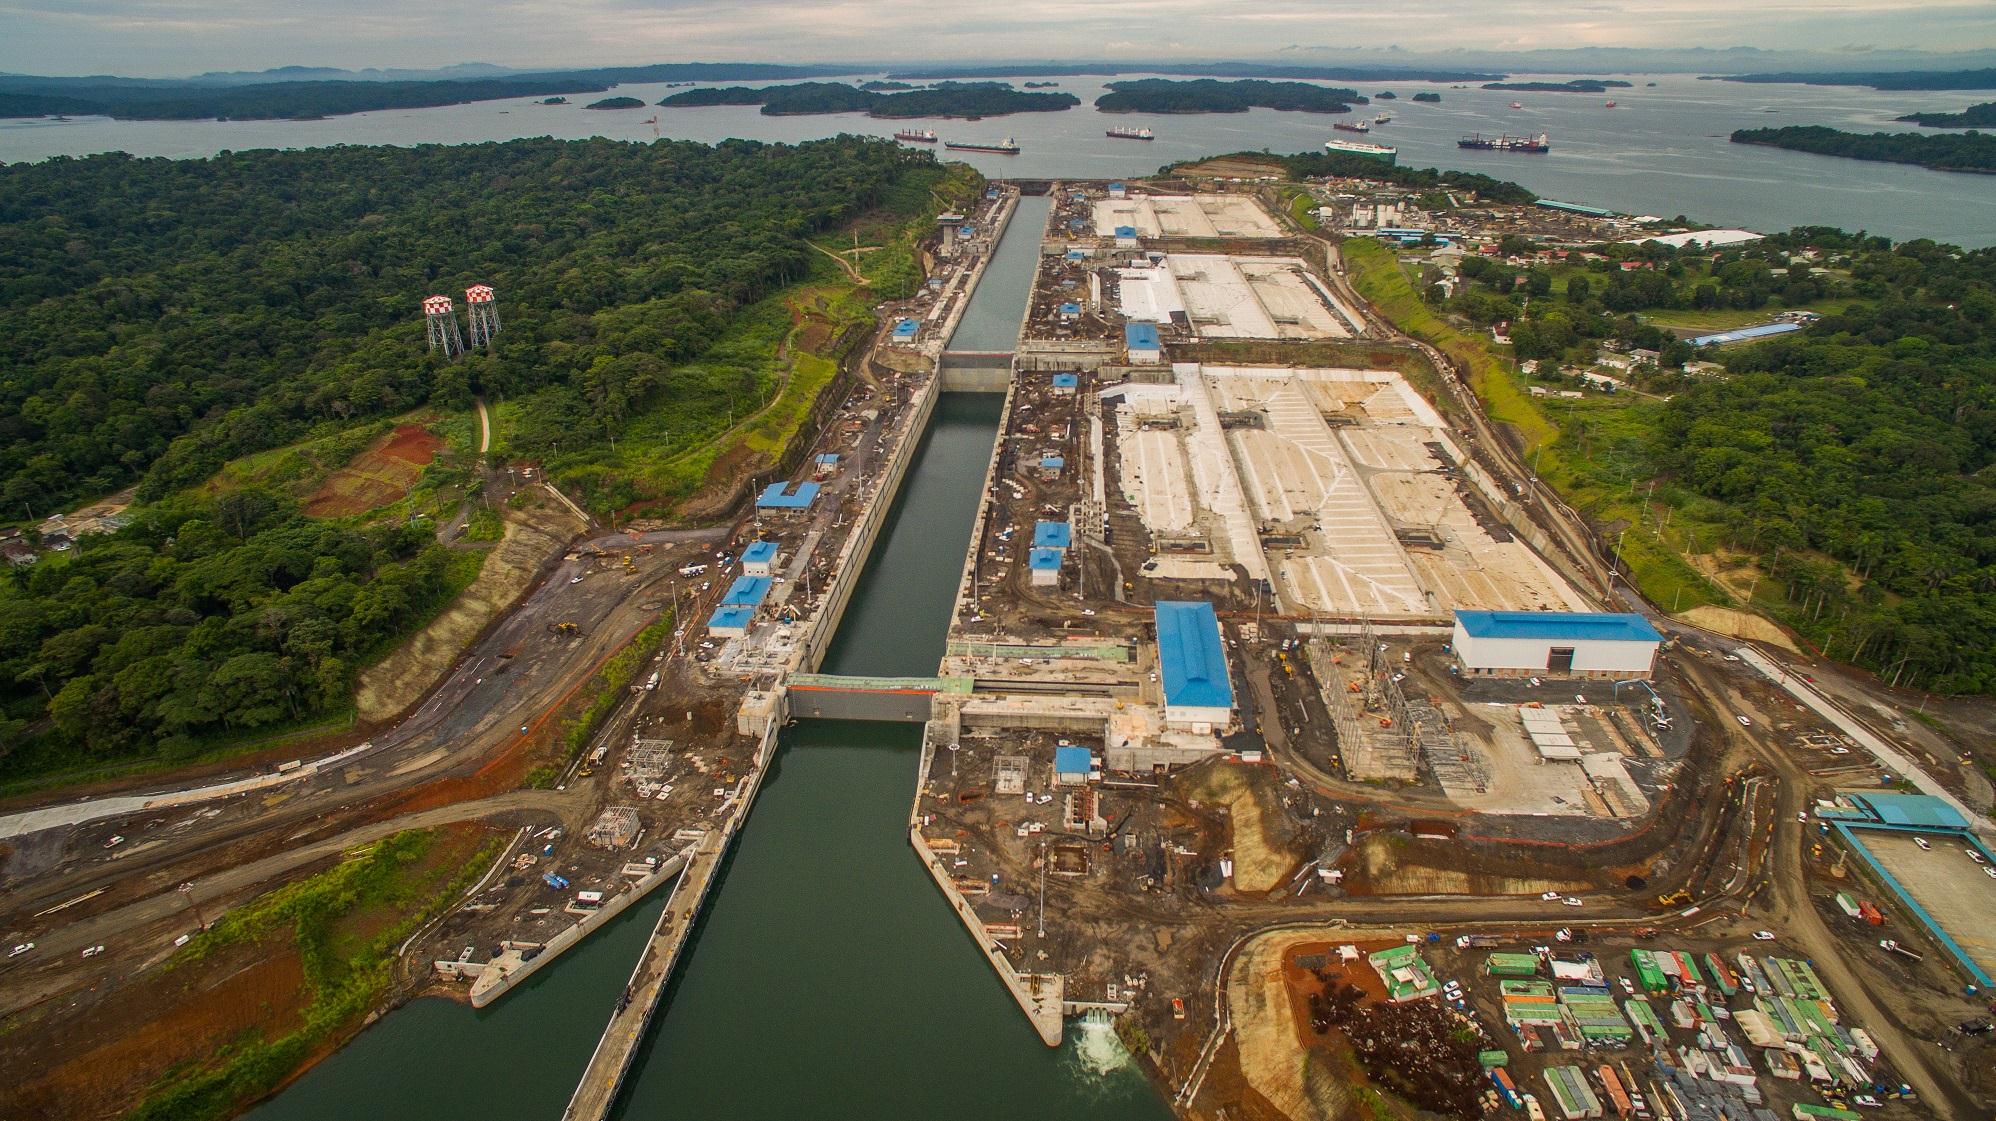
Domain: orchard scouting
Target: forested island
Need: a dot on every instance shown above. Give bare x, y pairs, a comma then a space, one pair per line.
1206, 95
945, 99
616, 103
1849, 465
180, 100
1882, 80
1324, 164
1970, 151
1208, 69
880, 86
268, 297
1975, 116
1577, 85
1427, 96
1385, 95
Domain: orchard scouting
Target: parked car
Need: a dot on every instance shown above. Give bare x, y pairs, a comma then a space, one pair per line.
1550, 896
1744, 722
1763, 936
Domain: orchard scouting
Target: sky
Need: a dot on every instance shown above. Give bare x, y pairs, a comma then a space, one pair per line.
164, 38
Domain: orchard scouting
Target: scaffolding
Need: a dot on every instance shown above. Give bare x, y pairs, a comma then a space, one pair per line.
616, 828
649, 761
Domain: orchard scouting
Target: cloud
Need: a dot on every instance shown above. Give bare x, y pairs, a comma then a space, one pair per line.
162, 37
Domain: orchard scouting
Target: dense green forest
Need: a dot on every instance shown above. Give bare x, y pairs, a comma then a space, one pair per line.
1975, 116
1161, 95
1855, 461
201, 618
168, 315
1884, 80
945, 99
617, 103
1577, 85
1324, 164
1970, 151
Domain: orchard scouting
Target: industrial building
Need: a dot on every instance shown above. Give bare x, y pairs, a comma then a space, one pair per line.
1192, 662
1142, 343
781, 496
1555, 643
759, 558
1924, 852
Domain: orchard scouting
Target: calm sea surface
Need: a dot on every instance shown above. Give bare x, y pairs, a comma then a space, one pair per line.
1662, 151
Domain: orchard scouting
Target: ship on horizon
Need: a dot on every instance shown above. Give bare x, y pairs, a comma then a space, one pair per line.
1009, 147
1536, 145
1123, 132
1352, 126
916, 136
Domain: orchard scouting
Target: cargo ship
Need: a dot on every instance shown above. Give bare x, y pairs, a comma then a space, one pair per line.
1537, 145
1380, 152
1610, 105
916, 136
1122, 133
1382, 118
1352, 126
1009, 147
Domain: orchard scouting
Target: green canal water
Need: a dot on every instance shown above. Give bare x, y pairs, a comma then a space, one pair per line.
827, 978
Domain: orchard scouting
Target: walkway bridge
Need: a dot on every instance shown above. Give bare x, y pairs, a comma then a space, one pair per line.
825, 696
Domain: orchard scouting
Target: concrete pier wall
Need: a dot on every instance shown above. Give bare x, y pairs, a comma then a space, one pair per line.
496, 980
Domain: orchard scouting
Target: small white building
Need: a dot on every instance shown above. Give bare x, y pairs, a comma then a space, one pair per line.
759, 559
1554, 643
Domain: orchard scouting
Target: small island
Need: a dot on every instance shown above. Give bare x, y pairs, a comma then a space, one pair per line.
1879, 80
1577, 85
1975, 116
1427, 96
1207, 95
1042, 85
616, 103
554, 101
1971, 151
945, 99
1385, 95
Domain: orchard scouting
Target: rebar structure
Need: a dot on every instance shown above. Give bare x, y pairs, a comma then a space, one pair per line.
483, 308
440, 320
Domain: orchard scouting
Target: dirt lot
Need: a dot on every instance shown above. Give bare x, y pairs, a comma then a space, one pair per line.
378, 476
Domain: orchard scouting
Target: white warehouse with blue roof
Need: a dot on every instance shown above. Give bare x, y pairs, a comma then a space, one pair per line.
1554, 643
1192, 660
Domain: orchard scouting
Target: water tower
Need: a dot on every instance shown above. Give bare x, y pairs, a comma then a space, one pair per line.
484, 311
442, 324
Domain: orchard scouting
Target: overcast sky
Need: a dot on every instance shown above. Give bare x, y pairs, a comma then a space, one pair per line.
177, 37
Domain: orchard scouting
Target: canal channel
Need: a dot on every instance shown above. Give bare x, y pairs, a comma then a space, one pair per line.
827, 978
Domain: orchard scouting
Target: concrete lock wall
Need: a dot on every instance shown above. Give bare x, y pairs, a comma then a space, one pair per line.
840, 704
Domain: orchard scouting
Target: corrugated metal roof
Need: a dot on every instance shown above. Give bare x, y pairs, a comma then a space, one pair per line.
1191, 658
1594, 626
747, 591
777, 496
1140, 336
759, 552
1052, 535
1765, 330
731, 617
1914, 810
1044, 559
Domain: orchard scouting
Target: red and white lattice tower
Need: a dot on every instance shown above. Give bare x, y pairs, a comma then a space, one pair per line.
442, 324
484, 311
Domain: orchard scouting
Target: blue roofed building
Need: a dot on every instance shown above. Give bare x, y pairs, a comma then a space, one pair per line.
1192, 664
1143, 344
1070, 310
781, 496
747, 591
1555, 643
730, 622
1052, 535
1074, 766
904, 331
1045, 565
1126, 237
1746, 334
1052, 465
1118, 190
759, 559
